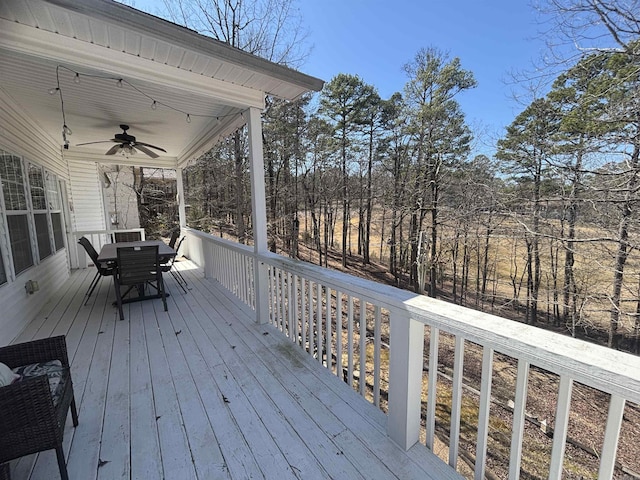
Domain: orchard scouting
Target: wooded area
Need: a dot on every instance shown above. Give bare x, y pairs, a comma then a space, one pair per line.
543, 229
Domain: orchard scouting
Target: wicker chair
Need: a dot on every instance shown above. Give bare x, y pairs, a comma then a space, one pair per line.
30, 419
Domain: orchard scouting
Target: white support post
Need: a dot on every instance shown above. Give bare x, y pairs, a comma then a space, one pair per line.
405, 379
258, 213
182, 212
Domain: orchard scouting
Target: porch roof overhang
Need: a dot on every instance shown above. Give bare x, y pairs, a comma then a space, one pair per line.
46, 41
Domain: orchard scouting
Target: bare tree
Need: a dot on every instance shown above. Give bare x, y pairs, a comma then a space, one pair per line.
271, 29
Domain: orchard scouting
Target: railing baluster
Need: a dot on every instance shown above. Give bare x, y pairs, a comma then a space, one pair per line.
376, 356
350, 340
517, 435
339, 333
283, 300
329, 349
484, 412
294, 310
432, 385
311, 319
290, 327
560, 426
363, 346
456, 402
611, 437
303, 311
319, 321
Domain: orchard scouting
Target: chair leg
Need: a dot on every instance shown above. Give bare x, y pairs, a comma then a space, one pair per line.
162, 291
178, 280
74, 411
61, 463
118, 297
92, 286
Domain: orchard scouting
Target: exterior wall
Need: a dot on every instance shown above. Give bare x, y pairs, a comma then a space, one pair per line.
85, 196
23, 137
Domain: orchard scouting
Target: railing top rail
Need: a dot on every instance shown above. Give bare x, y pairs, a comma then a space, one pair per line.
238, 247
606, 369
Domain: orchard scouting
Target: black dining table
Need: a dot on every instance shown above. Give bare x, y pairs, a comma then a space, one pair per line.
109, 253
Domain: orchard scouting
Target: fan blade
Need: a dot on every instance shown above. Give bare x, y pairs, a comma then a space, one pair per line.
101, 141
151, 146
146, 150
113, 149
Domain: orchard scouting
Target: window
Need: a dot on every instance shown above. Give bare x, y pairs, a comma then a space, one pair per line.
15, 204
32, 205
20, 242
58, 233
3, 272
39, 204
55, 207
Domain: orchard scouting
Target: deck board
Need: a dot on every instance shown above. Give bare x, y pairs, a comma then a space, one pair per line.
203, 392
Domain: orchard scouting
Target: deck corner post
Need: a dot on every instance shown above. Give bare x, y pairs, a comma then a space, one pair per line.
182, 210
261, 285
405, 378
258, 213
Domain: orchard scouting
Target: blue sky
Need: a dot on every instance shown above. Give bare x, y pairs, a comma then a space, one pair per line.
375, 38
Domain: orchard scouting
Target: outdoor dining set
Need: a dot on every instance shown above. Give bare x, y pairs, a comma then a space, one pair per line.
36, 390
135, 264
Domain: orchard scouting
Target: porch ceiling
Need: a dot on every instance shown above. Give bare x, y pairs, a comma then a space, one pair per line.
103, 41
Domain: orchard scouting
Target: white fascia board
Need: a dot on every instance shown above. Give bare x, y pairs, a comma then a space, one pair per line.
73, 52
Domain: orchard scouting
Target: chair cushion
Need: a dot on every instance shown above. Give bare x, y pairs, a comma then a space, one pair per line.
7, 377
54, 371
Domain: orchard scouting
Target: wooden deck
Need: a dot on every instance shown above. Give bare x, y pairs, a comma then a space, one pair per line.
202, 392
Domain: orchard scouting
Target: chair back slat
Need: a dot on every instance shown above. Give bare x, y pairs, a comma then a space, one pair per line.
127, 237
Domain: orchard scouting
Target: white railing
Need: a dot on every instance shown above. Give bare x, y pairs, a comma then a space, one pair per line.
373, 337
98, 238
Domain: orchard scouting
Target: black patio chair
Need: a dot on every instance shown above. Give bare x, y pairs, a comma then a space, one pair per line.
103, 269
175, 273
33, 410
138, 267
127, 237
174, 238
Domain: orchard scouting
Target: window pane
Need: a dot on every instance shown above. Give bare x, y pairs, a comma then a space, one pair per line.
58, 235
52, 191
3, 274
42, 234
36, 185
20, 244
12, 182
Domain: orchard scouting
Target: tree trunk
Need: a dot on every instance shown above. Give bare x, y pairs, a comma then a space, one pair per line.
623, 250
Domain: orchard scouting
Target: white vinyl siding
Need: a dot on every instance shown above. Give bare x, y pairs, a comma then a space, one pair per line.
21, 137
88, 210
